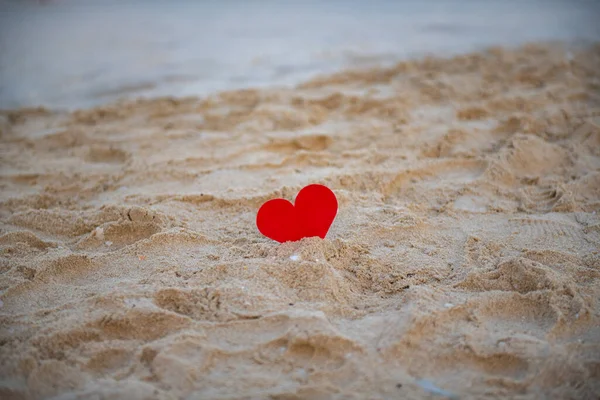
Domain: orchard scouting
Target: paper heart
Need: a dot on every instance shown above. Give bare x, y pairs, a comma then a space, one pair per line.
311, 215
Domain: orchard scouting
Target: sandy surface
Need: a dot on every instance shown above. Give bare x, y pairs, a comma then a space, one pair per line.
463, 262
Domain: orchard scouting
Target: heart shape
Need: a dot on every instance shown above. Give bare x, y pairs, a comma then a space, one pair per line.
311, 215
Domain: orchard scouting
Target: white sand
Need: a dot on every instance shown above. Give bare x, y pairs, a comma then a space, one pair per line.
463, 262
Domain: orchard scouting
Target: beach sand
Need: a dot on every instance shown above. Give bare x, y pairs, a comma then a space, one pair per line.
463, 262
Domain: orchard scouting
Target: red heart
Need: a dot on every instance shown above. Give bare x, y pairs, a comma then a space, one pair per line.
311, 215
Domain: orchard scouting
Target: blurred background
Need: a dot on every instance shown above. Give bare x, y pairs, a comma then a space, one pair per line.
79, 53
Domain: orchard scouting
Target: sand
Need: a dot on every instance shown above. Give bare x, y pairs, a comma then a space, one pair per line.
463, 262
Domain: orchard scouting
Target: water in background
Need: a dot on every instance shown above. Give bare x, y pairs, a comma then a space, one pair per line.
78, 53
